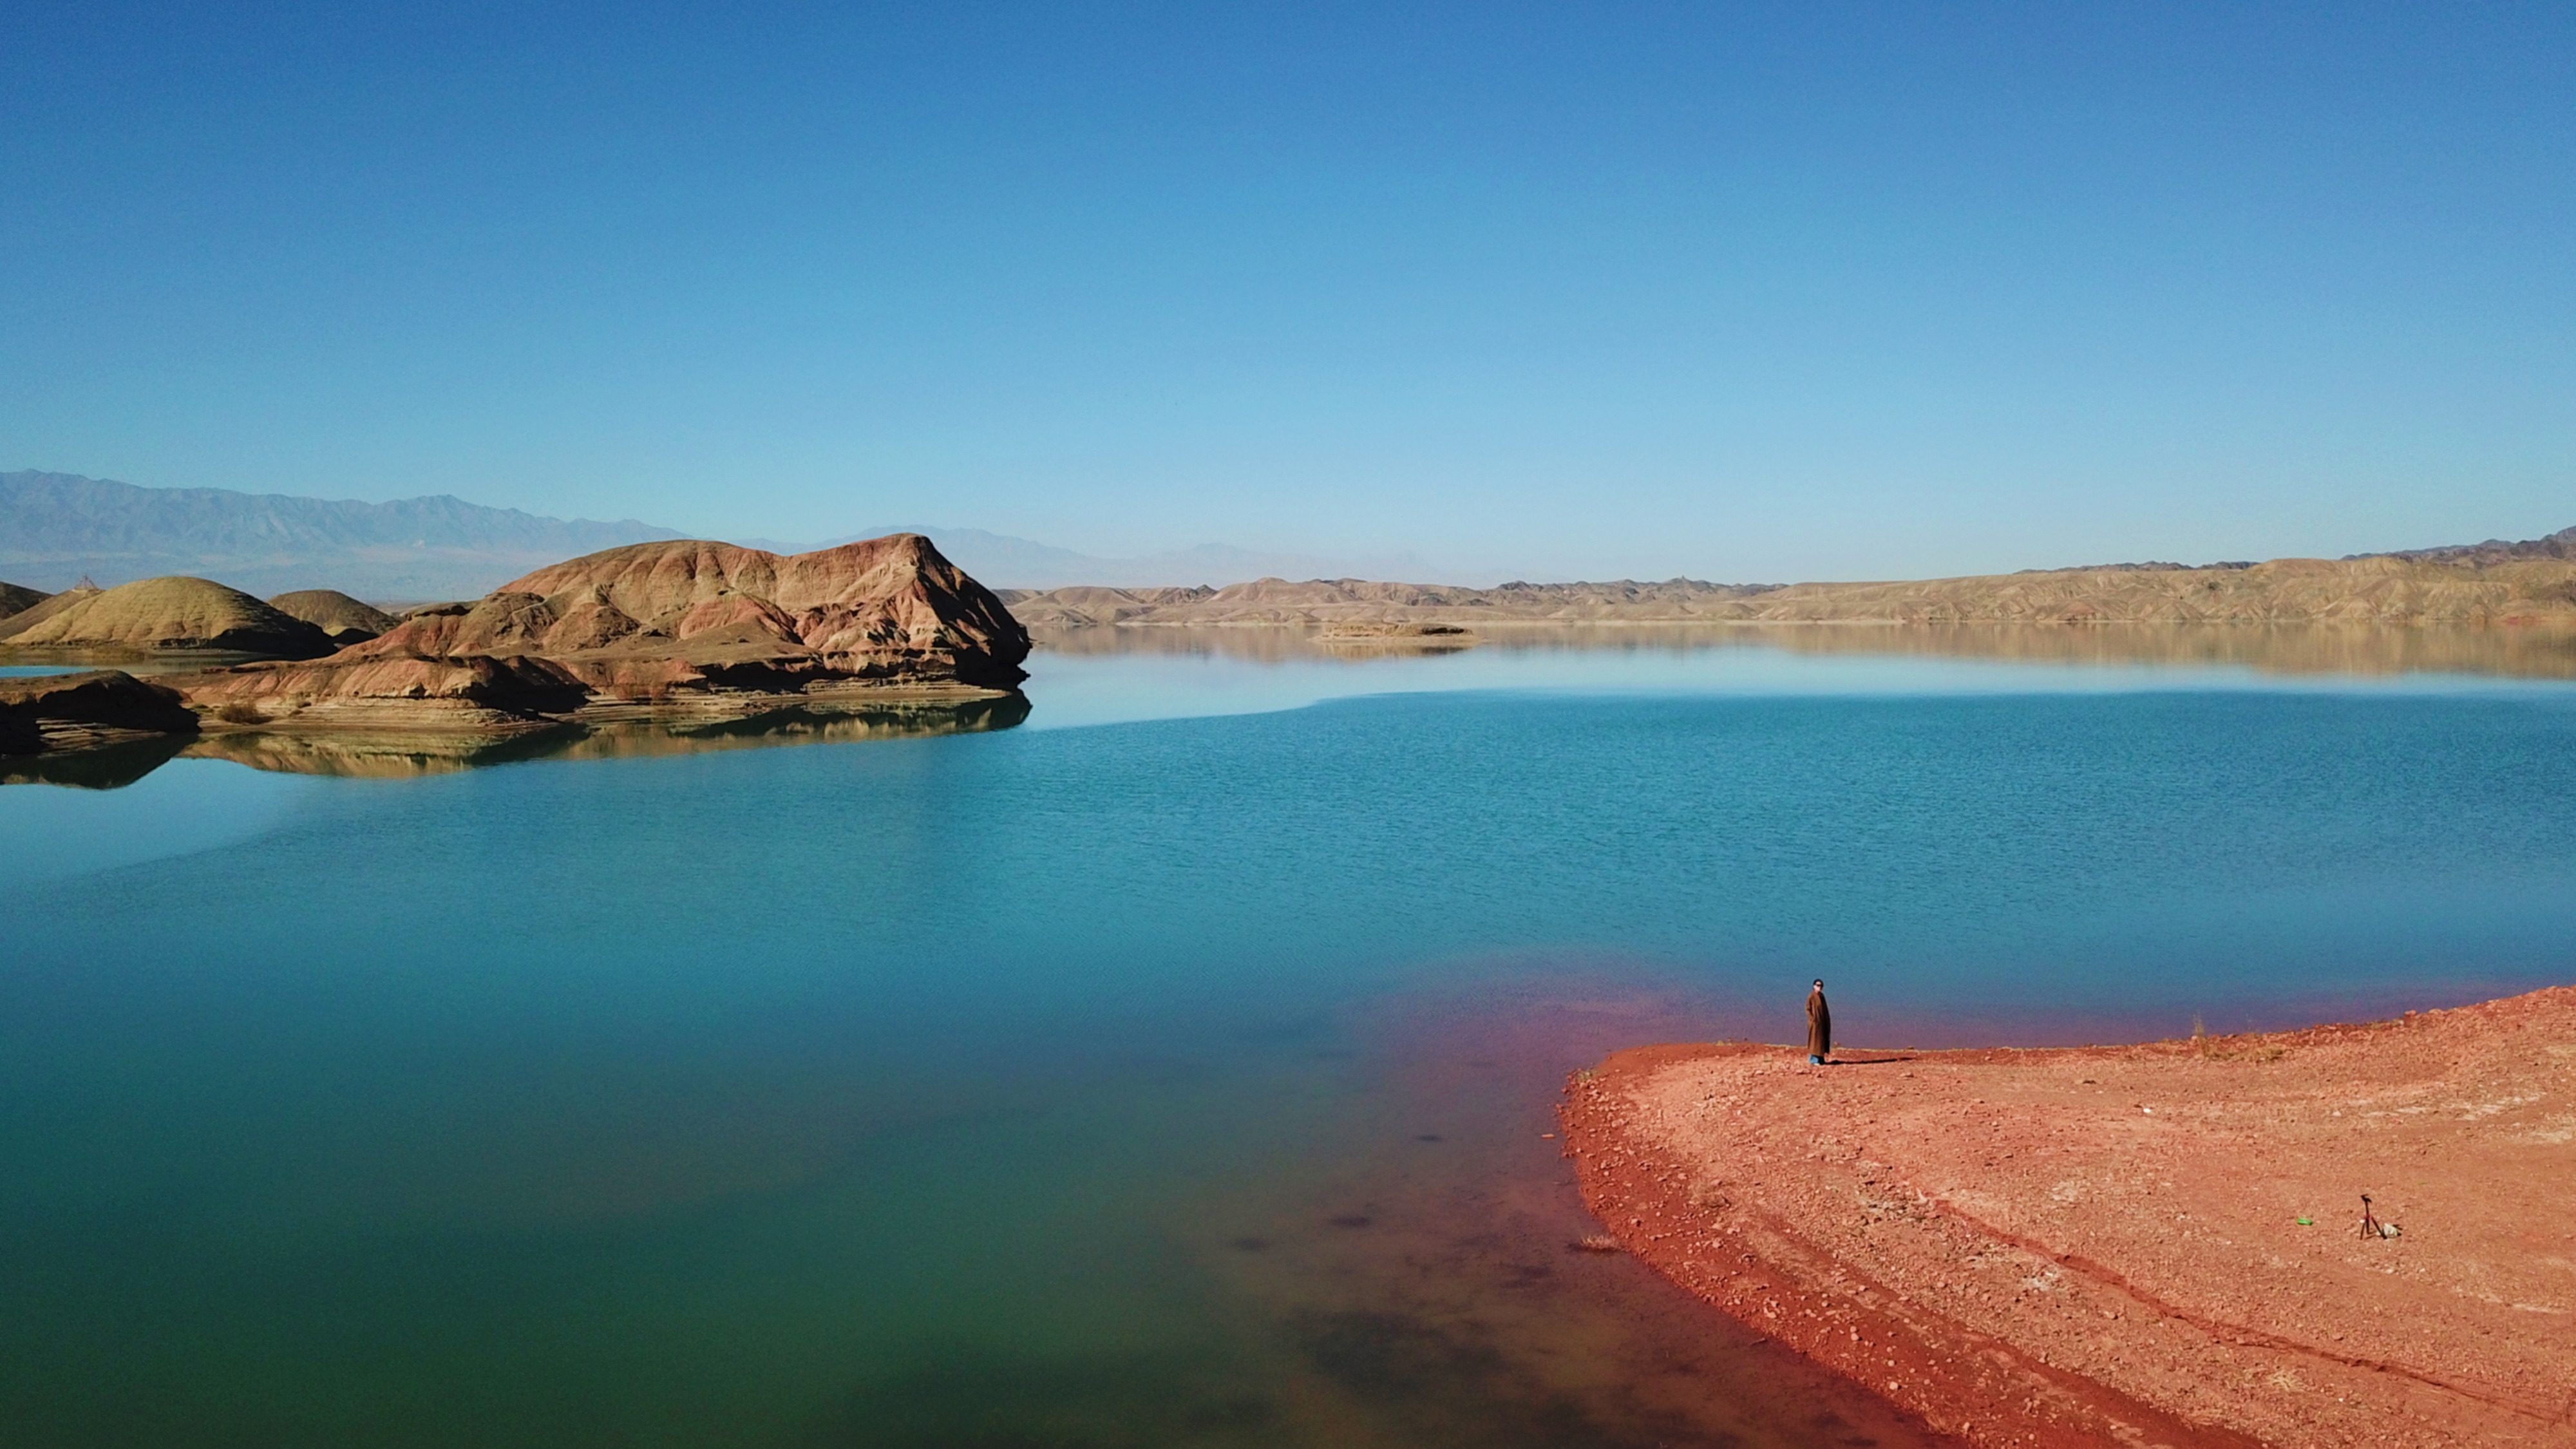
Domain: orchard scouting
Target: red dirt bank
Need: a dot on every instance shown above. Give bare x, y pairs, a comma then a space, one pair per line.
2100, 1245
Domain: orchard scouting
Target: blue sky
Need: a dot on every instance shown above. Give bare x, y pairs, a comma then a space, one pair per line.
1751, 292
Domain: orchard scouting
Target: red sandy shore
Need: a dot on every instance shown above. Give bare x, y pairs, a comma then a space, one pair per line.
2101, 1245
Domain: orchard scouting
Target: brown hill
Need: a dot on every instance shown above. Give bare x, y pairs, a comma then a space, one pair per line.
883, 607
1092, 604
72, 711
687, 624
344, 619
44, 609
2385, 589
18, 599
163, 614
1317, 601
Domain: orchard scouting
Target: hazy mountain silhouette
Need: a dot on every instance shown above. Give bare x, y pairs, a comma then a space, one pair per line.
55, 527
2559, 545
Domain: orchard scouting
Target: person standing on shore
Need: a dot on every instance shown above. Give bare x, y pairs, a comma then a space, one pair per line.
1820, 1026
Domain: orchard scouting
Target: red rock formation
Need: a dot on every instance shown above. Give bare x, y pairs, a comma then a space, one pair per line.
886, 607
658, 623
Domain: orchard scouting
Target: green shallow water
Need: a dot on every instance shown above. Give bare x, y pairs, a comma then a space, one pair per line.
1143, 1074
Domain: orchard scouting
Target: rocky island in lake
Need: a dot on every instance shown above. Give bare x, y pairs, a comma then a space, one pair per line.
686, 629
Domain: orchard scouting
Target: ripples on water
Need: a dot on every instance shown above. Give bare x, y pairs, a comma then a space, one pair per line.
1153, 1072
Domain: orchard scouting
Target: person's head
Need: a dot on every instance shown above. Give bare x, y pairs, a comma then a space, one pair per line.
1820, 983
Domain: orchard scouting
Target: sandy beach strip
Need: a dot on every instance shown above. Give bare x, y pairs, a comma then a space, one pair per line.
2136, 1245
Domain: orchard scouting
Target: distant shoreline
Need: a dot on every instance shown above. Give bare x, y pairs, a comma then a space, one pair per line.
2469, 588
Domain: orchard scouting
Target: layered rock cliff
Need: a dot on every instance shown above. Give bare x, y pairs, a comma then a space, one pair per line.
883, 609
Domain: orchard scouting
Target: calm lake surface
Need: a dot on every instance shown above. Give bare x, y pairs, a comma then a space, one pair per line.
1168, 1068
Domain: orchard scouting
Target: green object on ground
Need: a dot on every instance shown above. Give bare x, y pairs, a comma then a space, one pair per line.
2307, 1222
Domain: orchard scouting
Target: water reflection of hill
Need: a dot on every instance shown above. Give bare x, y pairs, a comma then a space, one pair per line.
2311, 650
2303, 649
1269, 644
394, 755
389, 754
2289, 649
109, 767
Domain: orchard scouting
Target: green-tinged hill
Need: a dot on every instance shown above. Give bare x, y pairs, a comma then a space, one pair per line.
156, 615
17, 599
344, 619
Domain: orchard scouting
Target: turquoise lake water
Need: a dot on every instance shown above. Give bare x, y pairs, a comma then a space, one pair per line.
1168, 1069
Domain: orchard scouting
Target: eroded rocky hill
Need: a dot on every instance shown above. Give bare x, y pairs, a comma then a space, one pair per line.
656, 625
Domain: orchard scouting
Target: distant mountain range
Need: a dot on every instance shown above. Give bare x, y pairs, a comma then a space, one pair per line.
56, 528
2560, 545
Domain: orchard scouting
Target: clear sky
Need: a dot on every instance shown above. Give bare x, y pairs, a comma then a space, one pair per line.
1743, 292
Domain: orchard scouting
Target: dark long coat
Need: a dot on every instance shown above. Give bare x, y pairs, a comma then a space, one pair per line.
1820, 1025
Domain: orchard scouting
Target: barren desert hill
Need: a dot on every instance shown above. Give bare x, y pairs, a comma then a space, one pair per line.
345, 619
880, 606
692, 628
17, 599
682, 623
2377, 590
891, 592
152, 615
43, 609
1317, 601
2494, 583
